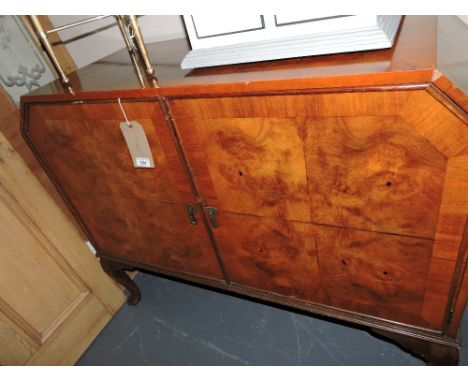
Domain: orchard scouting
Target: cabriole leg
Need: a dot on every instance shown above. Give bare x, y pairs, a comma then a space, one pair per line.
116, 271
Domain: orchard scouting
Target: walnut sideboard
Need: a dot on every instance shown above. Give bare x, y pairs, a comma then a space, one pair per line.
337, 184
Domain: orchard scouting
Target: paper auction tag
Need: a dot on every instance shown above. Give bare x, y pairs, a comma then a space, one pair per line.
137, 144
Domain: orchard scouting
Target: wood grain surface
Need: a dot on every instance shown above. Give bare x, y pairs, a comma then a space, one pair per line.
130, 213
310, 189
385, 274
412, 59
340, 183
367, 172
270, 254
373, 173
148, 232
428, 49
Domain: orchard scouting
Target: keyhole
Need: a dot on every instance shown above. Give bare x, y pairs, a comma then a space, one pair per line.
388, 184
241, 173
385, 273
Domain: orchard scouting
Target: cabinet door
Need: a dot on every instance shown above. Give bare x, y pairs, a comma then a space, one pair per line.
329, 198
135, 214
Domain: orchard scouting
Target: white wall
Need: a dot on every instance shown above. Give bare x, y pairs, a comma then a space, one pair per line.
96, 45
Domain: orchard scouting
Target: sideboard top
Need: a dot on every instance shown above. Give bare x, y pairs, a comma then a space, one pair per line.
427, 49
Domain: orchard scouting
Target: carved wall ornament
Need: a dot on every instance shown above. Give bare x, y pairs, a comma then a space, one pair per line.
22, 68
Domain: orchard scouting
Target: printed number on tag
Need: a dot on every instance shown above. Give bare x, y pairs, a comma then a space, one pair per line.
142, 162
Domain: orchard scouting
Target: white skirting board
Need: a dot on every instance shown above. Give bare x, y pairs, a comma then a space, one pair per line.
378, 36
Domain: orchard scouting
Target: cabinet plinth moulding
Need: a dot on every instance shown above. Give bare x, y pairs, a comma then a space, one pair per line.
333, 184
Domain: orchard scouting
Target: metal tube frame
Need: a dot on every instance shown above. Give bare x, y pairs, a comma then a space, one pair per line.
130, 48
48, 49
140, 44
124, 23
77, 23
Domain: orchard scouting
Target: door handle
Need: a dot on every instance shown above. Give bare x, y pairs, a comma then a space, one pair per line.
191, 210
212, 212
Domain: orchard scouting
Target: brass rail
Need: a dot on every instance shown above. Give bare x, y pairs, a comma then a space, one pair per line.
130, 30
77, 23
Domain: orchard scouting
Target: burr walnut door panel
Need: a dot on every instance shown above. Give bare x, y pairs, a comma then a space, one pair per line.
134, 214
329, 198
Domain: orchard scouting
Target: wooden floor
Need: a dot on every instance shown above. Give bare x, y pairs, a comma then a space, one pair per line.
180, 324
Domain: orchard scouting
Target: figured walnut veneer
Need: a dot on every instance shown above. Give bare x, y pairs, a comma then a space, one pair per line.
139, 215
314, 189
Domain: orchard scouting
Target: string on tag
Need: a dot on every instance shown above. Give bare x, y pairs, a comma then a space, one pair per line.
129, 125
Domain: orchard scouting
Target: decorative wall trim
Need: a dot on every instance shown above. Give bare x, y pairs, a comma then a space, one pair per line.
22, 68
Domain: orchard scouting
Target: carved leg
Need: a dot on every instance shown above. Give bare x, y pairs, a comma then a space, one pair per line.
116, 271
432, 353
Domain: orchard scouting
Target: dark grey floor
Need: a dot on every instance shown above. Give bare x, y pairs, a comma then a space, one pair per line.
180, 324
